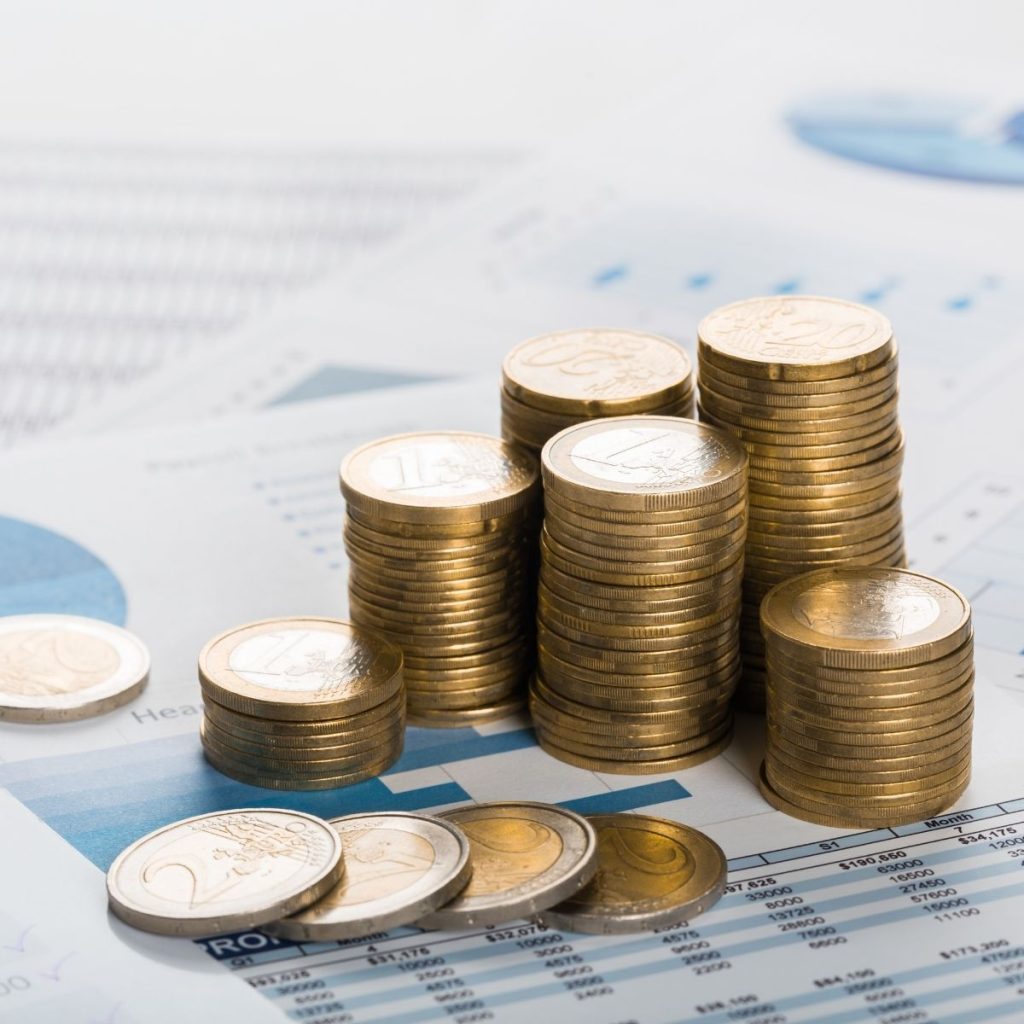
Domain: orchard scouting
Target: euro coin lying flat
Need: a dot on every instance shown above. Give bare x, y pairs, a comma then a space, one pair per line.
651, 873
526, 857
60, 668
398, 867
224, 872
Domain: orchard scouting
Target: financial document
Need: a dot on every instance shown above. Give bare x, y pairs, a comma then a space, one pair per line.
818, 924
120, 260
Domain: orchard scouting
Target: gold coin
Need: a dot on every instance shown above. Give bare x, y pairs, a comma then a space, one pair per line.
767, 394
637, 598
626, 699
654, 558
832, 486
875, 771
845, 817
562, 672
784, 427
458, 700
327, 731
419, 547
575, 743
300, 668
826, 534
767, 555
888, 556
449, 628
442, 477
643, 463
583, 616
871, 763
877, 375
450, 613
807, 694
872, 801
629, 545
795, 337
470, 571
840, 720
877, 682
653, 767
895, 744
835, 505
693, 701
651, 873
267, 780
358, 746
761, 518
606, 372
829, 455
504, 654
432, 718
639, 638
866, 618
438, 595
683, 520
497, 525
683, 655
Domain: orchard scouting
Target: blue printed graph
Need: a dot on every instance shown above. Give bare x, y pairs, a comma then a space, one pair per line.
102, 800
939, 137
43, 571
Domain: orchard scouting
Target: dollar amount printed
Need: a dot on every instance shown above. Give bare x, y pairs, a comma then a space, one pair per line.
907, 929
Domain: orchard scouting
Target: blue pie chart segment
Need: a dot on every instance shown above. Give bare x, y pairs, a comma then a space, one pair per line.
43, 571
940, 137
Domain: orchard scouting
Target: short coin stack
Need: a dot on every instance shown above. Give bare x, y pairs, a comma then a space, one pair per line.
870, 680
439, 531
641, 568
301, 703
809, 385
557, 380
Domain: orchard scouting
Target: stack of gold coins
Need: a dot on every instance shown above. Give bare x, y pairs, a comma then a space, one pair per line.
560, 379
440, 532
809, 385
641, 569
870, 683
301, 703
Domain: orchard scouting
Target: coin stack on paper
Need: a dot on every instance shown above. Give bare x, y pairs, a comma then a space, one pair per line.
439, 532
557, 380
809, 385
870, 696
641, 569
301, 703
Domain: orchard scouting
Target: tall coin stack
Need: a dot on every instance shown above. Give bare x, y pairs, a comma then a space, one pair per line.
870, 696
560, 379
809, 385
641, 570
439, 531
301, 703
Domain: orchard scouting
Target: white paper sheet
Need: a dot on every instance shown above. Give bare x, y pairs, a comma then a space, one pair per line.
139, 506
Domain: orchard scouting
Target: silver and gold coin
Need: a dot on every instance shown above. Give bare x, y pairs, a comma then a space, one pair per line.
556, 380
809, 386
526, 857
869, 690
641, 569
440, 533
651, 873
223, 872
301, 703
61, 668
398, 867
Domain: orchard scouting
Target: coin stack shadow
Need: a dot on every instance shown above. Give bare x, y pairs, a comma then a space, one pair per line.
262, 726
870, 697
440, 531
641, 569
820, 426
557, 380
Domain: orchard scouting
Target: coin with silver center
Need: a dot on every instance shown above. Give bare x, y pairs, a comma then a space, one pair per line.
652, 872
224, 872
397, 868
526, 857
59, 668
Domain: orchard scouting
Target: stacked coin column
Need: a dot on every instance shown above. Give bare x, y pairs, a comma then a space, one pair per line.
301, 703
557, 380
638, 607
439, 531
870, 697
809, 385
